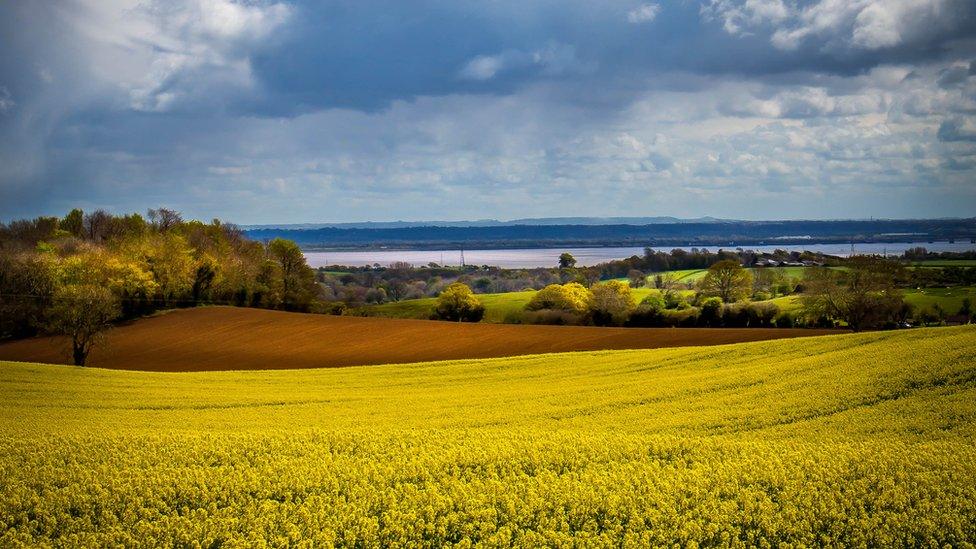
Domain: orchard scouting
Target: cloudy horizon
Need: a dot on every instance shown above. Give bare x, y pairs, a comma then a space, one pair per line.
298, 112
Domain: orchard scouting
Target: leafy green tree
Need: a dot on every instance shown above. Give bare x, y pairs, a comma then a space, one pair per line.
82, 312
865, 295
726, 280
297, 278
566, 260
73, 223
612, 303
458, 303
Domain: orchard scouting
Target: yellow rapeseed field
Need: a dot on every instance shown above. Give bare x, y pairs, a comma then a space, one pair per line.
861, 440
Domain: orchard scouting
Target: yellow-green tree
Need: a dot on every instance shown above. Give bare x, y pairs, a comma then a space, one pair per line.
82, 312
297, 278
171, 261
458, 303
612, 303
572, 297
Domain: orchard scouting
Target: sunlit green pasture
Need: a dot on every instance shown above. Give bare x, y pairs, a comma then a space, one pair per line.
498, 307
950, 299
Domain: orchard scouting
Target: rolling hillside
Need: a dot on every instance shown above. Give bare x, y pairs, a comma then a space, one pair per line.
863, 440
228, 338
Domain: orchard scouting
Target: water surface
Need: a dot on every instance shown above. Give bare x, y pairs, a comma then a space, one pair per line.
549, 257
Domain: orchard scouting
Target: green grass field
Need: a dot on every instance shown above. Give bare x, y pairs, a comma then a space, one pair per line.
946, 263
949, 298
498, 307
684, 276
863, 440
690, 276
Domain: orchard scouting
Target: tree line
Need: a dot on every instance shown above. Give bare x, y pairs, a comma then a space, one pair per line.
77, 274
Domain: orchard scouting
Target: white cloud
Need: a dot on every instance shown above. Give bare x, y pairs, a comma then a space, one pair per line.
552, 59
855, 24
740, 17
6, 102
483, 67
644, 13
879, 26
163, 52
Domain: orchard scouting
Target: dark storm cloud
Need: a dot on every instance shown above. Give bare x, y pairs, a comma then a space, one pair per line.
265, 110
365, 55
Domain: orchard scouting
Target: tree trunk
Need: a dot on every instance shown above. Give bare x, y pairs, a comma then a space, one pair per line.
79, 353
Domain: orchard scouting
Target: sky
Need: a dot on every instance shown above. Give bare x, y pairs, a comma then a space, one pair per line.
282, 111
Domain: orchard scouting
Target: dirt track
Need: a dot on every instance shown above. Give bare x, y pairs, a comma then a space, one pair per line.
227, 338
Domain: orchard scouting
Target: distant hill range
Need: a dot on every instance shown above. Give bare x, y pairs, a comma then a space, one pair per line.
538, 221
642, 231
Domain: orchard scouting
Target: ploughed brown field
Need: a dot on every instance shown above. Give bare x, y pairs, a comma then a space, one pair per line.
229, 338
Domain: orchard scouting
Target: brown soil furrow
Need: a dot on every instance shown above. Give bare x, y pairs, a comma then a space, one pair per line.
228, 338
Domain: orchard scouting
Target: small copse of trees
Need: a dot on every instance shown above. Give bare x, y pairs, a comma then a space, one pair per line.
75, 275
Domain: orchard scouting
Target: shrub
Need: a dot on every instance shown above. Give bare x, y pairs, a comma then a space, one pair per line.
649, 312
674, 300
785, 320
514, 317
653, 302
552, 316
711, 312
687, 317
762, 314
458, 303
735, 315
375, 295
572, 297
